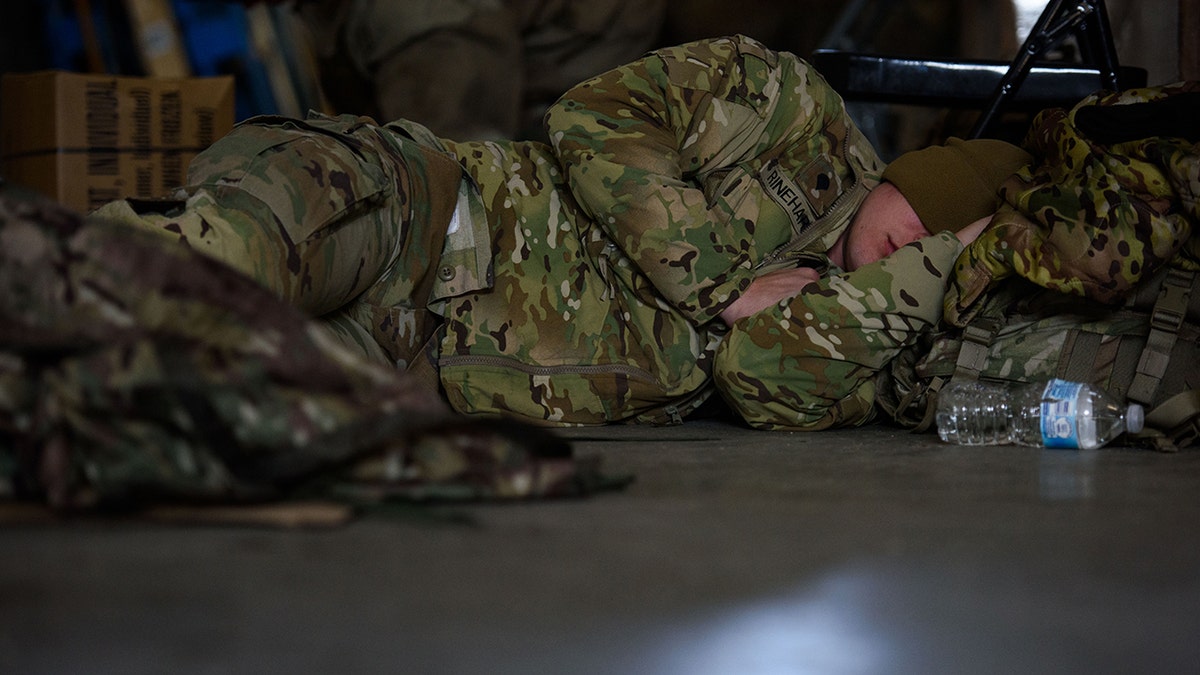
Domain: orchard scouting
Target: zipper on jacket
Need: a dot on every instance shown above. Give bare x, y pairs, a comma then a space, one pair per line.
838, 204
631, 372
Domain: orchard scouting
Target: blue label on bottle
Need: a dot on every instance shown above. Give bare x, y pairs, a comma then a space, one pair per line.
1059, 413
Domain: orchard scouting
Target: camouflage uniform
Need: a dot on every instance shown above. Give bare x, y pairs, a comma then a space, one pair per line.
1068, 279
811, 363
577, 284
1092, 217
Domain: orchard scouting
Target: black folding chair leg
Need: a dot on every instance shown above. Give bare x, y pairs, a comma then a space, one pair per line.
1087, 20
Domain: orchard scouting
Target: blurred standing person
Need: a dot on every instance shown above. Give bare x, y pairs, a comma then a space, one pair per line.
481, 69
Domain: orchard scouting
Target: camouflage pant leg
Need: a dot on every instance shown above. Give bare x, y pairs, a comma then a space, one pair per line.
338, 216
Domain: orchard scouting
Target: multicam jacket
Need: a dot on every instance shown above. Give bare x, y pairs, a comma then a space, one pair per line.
672, 182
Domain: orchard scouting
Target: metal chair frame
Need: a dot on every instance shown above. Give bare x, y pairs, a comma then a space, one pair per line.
1029, 82
1087, 20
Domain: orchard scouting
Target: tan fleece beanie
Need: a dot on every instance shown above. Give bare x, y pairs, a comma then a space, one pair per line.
951, 186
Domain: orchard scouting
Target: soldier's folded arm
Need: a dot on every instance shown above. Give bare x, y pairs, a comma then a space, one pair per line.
638, 144
810, 362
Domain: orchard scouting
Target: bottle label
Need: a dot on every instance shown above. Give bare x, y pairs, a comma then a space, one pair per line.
1060, 410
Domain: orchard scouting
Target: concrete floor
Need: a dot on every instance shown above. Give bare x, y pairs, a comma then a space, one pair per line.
865, 551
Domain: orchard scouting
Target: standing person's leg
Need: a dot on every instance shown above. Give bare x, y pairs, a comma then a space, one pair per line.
452, 65
566, 42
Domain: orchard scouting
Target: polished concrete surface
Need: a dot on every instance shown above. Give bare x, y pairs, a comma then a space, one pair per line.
863, 551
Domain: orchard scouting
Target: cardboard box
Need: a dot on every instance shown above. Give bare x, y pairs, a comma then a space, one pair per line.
88, 139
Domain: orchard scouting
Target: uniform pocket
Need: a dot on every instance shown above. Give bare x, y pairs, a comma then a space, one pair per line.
308, 174
564, 395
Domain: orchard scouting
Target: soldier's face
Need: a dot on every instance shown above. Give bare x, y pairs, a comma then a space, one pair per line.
884, 223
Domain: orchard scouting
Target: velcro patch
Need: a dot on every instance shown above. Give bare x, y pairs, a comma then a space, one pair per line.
788, 195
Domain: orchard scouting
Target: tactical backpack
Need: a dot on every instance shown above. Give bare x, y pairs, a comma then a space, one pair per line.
1089, 272
1144, 351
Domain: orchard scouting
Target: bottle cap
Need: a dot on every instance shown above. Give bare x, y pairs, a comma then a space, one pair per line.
1135, 418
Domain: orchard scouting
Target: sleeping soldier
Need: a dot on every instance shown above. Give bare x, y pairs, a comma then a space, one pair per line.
706, 220
617, 273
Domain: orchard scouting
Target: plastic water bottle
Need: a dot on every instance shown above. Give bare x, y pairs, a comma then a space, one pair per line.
1051, 414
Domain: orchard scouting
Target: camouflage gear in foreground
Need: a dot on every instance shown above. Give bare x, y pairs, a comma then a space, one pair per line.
133, 369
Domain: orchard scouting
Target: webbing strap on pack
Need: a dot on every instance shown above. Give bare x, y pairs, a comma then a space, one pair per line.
1081, 357
930, 392
1168, 315
1179, 418
976, 340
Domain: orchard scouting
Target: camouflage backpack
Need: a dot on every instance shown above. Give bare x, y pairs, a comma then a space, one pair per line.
1088, 272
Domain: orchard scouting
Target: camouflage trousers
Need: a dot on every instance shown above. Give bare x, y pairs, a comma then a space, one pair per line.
341, 218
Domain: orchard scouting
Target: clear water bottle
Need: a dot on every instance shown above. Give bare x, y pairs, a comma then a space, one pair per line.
1051, 414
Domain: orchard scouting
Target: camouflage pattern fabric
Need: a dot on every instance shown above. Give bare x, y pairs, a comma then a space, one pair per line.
671, 184
576, 283
811, 362
573, 283
341, 218
1036, 333
1088, 219
133, 369
1065, 279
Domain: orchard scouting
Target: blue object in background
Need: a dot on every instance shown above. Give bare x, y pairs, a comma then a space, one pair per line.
64, 38
114, 39
216, 38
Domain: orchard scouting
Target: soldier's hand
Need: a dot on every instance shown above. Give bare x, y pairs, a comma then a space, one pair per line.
971, 232
768, 290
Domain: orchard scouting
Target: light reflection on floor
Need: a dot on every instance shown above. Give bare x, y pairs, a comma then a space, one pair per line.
825, 628
1067, 475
